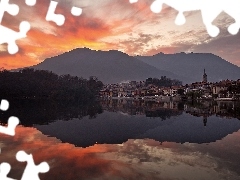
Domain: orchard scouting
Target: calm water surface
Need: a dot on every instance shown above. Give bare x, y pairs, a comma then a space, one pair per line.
127, 140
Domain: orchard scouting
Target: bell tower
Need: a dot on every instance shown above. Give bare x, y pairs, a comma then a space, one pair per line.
204, 77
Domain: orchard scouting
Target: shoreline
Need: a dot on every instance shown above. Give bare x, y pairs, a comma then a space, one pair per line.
168, 98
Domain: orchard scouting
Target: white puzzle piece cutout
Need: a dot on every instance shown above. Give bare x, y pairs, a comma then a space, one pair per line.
30, 2
12, 121
59, 19
76, 11
10, 129
4, 170
133, 1
8, 35
210, 10
31, 171
4, 105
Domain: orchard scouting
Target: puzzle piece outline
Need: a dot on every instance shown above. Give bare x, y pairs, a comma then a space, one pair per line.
10, 37
4, 105
12, 121
210, 10
32, 170
4, 170
9, 130
59, 19
7, 35
12, 9
76, 11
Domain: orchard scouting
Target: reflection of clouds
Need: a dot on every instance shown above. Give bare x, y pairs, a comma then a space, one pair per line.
186, 161
66, 161
134, 159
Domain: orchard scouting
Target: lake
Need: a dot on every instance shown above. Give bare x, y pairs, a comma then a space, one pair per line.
126, 139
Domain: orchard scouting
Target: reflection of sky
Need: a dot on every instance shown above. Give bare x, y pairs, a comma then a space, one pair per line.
134, 159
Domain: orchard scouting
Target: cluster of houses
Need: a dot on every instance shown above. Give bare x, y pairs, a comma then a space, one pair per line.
223, 90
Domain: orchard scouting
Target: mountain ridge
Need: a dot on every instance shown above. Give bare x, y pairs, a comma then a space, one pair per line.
193, 64
114, 66
109, 66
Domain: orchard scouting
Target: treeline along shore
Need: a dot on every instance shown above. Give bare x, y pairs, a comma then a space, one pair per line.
41, 84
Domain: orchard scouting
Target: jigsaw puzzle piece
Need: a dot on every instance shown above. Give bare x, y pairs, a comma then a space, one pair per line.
51, 16
31, 171
10, 129
156, 6
208, 16
4, 170
180, 19
76, 11
9, 36
133, 1
232, 9
4, 105
234, 28
12, 9
30, 2
12, 121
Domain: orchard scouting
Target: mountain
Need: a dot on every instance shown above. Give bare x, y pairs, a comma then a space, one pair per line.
114, 66
108, 66
191, 66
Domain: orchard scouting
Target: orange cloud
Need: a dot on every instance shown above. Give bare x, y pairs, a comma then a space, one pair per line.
107, 25
79, 31
46, 39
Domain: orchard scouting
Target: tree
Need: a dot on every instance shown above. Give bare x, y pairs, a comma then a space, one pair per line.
40, 84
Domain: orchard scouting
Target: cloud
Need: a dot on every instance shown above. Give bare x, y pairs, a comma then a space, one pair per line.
226, 47
106, 24
46, 39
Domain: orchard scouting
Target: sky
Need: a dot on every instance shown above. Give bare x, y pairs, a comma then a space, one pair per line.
114, 24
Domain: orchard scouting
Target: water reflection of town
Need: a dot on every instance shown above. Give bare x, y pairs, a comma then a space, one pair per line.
165, 110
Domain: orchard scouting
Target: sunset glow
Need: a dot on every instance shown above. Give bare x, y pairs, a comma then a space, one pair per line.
132, 159
119, 25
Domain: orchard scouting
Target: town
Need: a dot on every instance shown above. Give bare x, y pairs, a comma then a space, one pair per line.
165, 89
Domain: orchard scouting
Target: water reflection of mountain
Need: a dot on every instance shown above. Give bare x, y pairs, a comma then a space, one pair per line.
121, 121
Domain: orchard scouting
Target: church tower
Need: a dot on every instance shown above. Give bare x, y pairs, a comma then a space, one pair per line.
204, 77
